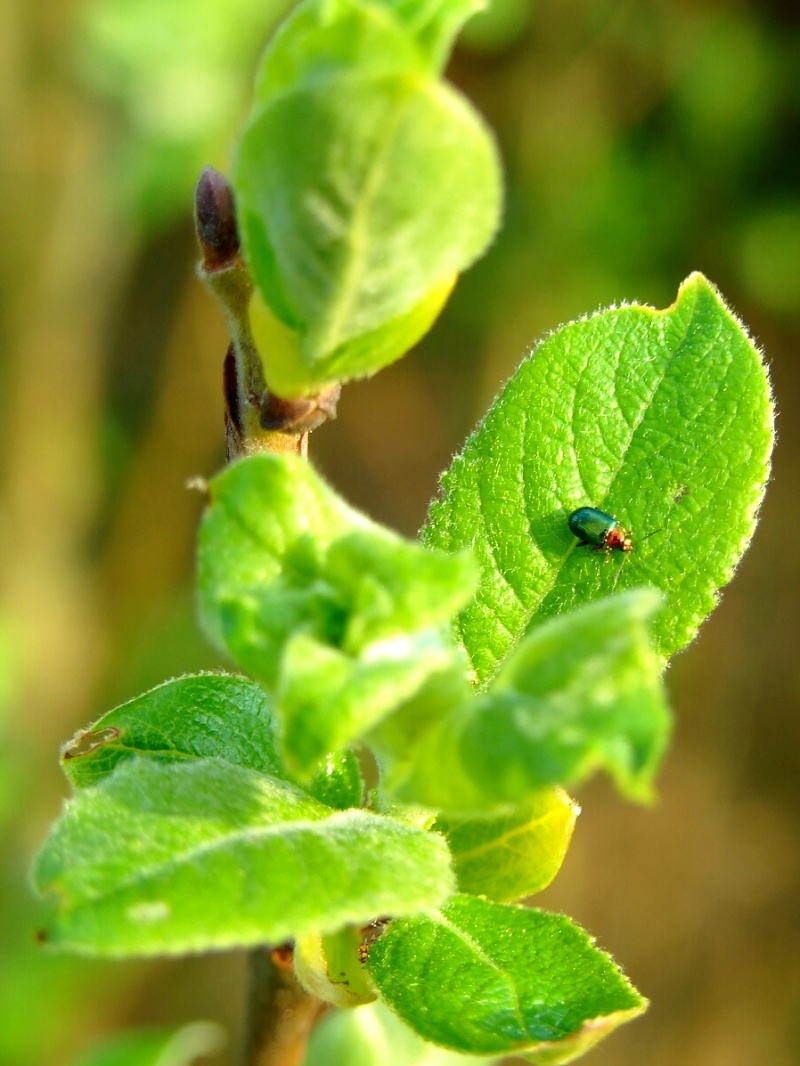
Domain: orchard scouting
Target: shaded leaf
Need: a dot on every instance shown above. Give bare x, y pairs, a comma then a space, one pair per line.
374, 1036
330, 968
157, 1047
488, 978
513, 853
579, 693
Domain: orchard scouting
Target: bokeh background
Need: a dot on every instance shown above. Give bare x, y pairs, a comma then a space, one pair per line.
643, 139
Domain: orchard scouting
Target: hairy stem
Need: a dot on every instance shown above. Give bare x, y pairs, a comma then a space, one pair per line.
280, 1013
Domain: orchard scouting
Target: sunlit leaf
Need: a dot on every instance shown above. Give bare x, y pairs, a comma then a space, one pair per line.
662, 419
207, 715
339, 618
176, 858
363, 183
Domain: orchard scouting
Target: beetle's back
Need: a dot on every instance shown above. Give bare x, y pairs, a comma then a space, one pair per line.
591, 525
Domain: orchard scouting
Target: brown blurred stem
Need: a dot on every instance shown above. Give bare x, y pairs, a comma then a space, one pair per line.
280, 1013
255, 419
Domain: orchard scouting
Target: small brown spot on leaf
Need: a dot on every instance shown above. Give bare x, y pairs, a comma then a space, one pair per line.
90, 740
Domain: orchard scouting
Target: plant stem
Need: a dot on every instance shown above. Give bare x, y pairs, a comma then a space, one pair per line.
280, 1013
255, 419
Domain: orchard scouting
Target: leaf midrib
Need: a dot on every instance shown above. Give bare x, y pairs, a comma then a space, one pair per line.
327, 335
249, 834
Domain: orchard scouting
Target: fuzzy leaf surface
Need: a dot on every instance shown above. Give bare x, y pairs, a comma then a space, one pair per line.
338, 782
364, 184
206, 715
214, 716
514, 853
327, 699
662, 419
487, 978
578, 693
182, 857
339, 618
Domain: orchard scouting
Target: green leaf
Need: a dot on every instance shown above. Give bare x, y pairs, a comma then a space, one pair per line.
338, 783
580, 692
340, 618
327, 699
359, 357
488, 978
363, 186
374, 1036
158, 1047
168, 859
278, 544
203, 716
208, 715
662, 419
324, 39
330, 968
435, 23
394, 740
515, 852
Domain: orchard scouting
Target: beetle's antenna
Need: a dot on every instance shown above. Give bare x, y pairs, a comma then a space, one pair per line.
652, 533
624, 559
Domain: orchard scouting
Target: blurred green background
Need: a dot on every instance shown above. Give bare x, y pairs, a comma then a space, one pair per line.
642, 140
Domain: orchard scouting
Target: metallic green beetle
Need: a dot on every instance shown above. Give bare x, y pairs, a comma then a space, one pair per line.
599, 530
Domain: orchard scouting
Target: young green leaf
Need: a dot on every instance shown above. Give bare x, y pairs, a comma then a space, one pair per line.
580, 692
329, 967
319, 40
328, 699
515, 852
338, 782
435, 23
208, 715
374, 1036
282, 549
182, 857
340, 618
214, 716
363, 186
662, 419
158, 1047
488, 978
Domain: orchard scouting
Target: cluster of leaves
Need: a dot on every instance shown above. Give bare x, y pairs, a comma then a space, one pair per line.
364, 184
484, 669
218, 811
